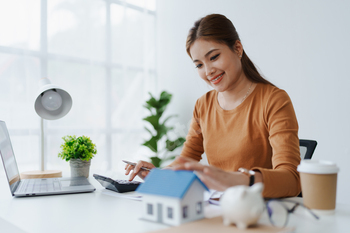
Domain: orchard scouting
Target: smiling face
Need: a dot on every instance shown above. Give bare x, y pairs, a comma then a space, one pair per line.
217, 64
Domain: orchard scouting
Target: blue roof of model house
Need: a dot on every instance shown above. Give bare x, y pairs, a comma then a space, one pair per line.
168, 183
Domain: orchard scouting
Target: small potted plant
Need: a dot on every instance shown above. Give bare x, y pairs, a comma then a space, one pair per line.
78, 151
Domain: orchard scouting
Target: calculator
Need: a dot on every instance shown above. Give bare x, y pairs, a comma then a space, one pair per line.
120, 186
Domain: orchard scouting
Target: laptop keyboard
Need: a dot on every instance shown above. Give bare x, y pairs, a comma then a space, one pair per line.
40, 185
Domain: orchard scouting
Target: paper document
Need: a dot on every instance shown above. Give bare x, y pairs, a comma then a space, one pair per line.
212, 196
129, 195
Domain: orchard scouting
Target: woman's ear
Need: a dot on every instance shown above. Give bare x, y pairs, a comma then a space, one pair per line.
238, 48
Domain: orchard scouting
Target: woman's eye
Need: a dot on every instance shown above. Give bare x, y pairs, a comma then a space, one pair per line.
214, 57
198, 66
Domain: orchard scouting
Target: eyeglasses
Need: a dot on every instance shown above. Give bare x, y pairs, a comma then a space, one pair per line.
279, 212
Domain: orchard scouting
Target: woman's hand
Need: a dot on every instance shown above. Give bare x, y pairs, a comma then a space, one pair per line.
136, 170
212, 177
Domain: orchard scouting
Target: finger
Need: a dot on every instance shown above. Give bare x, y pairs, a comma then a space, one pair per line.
127, 166
132, 175
211, 183
216, 174
178, 167
182, 159
145, 164
194, 166
199, 174
148, 165
128, 169
138, 166
143, 174
219, 178
205, 180
207, 171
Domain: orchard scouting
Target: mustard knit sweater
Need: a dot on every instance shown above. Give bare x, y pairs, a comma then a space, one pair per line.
260, 134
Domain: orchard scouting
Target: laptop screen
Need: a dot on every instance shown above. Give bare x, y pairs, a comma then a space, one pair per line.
8, 158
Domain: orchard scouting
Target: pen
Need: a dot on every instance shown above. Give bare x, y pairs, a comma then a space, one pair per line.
134, 164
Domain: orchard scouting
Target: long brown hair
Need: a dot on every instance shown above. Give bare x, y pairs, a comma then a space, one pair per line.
218, 28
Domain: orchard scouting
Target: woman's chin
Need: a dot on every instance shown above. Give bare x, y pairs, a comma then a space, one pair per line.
218, 89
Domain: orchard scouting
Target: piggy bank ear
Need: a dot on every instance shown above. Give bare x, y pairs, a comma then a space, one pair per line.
257, 187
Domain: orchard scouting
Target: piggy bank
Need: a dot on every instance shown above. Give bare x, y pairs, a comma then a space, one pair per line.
242, 205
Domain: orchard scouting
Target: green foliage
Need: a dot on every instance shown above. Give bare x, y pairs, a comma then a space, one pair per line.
77, 148
160, 130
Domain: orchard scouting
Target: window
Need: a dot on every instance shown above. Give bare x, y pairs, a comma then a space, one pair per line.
101, 51
149, 209
199, 207
185, 211
170, 212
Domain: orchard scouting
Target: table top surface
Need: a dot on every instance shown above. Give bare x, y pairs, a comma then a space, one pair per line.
108, 211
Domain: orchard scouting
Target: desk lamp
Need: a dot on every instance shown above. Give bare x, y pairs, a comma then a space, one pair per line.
52, 103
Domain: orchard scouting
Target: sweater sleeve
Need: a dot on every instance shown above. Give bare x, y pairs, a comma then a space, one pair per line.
283, 179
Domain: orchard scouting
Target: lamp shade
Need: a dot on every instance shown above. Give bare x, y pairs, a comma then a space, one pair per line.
52, 102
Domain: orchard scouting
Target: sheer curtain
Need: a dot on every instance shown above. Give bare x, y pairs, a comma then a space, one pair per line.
101, 51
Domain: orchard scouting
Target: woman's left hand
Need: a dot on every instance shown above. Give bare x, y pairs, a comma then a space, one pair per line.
212, 177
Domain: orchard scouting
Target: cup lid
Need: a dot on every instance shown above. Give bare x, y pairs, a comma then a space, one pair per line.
317, 167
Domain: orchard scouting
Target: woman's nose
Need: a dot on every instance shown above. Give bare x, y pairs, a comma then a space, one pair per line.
209, 70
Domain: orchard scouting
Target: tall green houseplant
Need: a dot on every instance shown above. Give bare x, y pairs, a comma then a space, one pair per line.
160, 130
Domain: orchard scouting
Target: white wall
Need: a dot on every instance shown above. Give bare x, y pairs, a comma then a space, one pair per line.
301, 46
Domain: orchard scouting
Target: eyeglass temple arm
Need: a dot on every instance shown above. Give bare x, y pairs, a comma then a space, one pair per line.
294, 207
297, 204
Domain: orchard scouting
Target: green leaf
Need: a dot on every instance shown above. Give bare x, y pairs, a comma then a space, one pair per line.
148, 107
169, 158
166, 119
161, 131
152, 102
161, 109
153, 120
152, 144
149, 131
164, 100
172, 145
156, 161
165, 96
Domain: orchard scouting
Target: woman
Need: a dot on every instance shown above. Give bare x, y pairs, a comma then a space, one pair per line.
245, 125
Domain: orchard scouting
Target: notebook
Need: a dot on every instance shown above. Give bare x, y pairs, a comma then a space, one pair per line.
35, 187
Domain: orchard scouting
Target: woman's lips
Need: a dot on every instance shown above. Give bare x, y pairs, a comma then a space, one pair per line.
217, 79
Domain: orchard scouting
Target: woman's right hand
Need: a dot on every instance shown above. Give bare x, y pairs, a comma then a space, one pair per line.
136, 170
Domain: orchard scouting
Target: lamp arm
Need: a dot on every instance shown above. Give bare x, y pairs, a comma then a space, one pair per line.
42, 144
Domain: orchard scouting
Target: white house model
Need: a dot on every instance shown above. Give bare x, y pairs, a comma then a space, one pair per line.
172, 197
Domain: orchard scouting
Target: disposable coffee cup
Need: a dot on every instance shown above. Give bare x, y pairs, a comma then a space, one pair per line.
319, 185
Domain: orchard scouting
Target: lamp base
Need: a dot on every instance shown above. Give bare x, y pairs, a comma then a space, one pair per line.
41, 174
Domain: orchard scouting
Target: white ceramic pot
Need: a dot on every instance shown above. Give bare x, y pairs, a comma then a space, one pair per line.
79, 167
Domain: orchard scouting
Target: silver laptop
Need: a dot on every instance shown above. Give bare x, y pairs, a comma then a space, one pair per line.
35, 187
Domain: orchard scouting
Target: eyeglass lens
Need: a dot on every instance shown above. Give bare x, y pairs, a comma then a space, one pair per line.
278, 213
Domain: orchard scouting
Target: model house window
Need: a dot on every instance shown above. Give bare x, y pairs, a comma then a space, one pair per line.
101, 51
149, 209
170, 212
185, 211
199, 208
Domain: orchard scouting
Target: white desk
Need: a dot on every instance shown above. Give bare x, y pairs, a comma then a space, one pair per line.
99, 212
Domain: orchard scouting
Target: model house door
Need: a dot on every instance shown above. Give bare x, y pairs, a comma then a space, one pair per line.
159, 212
